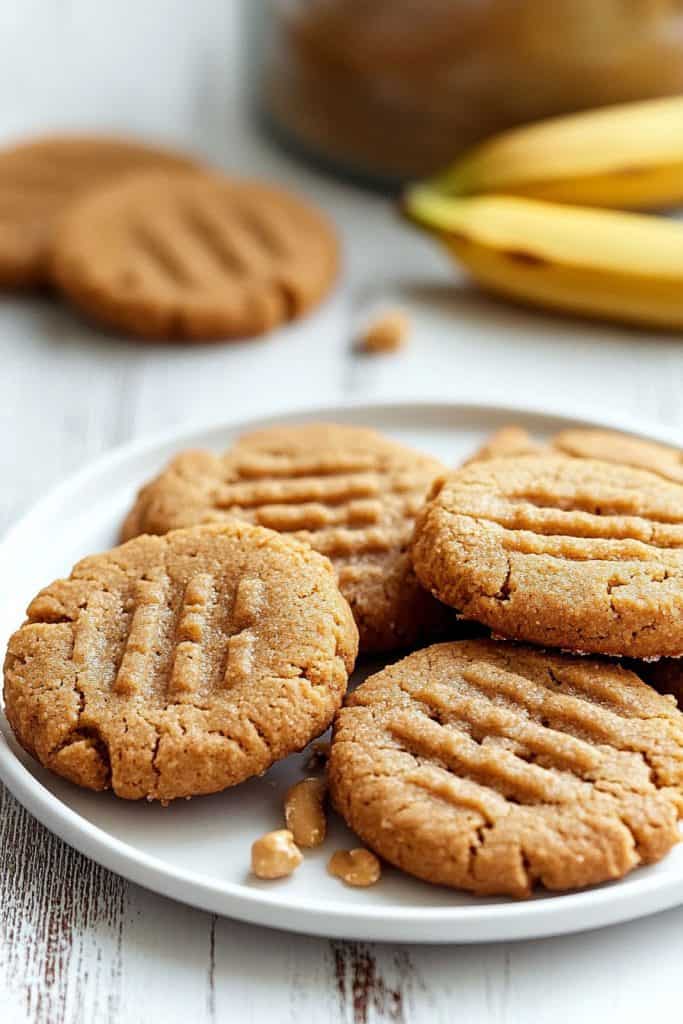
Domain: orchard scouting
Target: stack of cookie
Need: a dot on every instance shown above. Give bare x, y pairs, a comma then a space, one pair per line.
493, 766
524, 750
149, 242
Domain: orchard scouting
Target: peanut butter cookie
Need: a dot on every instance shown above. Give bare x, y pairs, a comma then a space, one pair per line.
612, 446
350, 492
581, 443
495, 768
194, 256
38, 181
510, 440
564, 552
180, 665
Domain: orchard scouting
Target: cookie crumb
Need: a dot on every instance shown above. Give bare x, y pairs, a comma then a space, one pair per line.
305, 813
358, 867
386, 333
275, 855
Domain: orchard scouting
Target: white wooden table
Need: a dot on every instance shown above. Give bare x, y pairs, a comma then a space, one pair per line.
76, 942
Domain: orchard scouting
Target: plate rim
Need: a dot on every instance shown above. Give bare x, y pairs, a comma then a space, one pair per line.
504, 921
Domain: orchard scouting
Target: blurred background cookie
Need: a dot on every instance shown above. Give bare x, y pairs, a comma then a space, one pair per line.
194, 256
41, 177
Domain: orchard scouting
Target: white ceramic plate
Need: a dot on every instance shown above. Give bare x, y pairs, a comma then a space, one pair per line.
198, 851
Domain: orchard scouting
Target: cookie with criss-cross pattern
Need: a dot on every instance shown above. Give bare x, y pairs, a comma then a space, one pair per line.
573, 553
39, 180
496, 768
584, 443
612, 446
350, 492
179, 665
194, 256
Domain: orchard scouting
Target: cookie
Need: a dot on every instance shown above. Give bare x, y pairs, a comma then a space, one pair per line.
510, 440
612, 446
38, 181
179, 665
495, 768
348, 491
564, 552
194, 256
581, 443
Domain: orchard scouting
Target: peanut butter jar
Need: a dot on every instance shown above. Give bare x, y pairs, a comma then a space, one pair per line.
393, 89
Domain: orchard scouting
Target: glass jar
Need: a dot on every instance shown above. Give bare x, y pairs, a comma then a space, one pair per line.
390, 89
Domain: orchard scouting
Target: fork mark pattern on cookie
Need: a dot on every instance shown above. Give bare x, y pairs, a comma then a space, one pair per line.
571, 553
87, 634
349, 492
460, 792
159, 253
193, 238
188, 656
502, 770
266, 231
562, 717
337, 502
210, 230
249, 598
478, 765
194, 256
572, 524
117, 676
533, 743
324, 490
149, 604
240, 658
247, 607
487, 716
270, 466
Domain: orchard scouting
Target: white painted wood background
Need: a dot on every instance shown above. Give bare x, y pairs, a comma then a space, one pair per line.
76, 942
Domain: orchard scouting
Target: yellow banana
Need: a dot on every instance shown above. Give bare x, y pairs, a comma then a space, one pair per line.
619, 266
628, 157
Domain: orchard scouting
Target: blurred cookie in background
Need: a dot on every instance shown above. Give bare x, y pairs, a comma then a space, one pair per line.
41, 177
194, 256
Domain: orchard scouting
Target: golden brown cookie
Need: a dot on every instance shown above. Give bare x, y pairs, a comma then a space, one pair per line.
348, 491
510, 440
38, 181
194, 256
495, 768
179, 665
564, 552
582, 443
612, 446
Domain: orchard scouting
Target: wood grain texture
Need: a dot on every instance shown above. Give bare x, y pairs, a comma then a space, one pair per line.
78, 944
61, 920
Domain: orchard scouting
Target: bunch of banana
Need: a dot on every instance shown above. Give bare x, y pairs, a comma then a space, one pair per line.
527, 213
